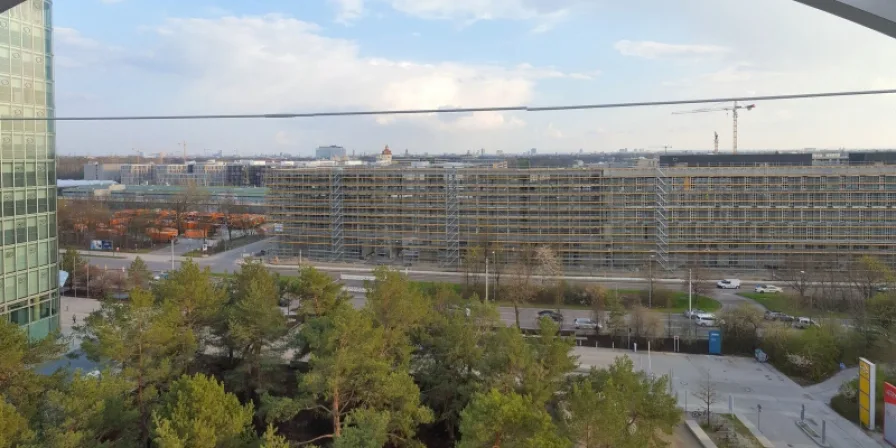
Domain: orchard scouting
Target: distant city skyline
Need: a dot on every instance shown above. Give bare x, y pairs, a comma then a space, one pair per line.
227, 56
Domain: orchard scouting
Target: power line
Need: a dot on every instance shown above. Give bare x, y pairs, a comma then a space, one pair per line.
458, 110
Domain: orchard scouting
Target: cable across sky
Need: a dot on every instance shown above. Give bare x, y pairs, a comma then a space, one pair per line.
457, 110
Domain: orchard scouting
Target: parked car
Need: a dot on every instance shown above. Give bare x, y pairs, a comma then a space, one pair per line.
804, 322
705, 320
728, 283
551, 314
584, 323
777, 315
768, 289
691, 313
882, 288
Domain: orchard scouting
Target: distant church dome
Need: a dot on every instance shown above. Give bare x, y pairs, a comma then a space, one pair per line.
387, 151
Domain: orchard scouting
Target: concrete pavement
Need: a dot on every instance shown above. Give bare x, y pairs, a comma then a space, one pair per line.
749, 384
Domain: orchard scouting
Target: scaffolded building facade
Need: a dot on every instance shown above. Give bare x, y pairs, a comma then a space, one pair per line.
593, 218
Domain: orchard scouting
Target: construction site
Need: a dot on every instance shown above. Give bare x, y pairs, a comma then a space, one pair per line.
732, 211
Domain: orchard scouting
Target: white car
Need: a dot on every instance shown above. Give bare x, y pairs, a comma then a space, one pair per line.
690, 314
584, 323
804, 323
705, 320
728, 283
772, 289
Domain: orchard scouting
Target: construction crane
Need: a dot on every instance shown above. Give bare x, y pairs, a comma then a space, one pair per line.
733, 111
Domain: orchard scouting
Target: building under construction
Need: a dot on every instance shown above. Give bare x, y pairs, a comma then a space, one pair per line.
747, 211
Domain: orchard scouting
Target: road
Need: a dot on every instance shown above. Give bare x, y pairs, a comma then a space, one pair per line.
229, 261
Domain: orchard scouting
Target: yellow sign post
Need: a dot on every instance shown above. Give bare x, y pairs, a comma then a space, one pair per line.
867, 379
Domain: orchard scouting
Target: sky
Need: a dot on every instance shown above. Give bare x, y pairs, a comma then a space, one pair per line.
146, 57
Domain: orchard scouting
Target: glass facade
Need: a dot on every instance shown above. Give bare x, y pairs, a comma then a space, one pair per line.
29, 276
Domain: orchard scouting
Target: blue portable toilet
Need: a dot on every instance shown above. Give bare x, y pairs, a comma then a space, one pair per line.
715, 342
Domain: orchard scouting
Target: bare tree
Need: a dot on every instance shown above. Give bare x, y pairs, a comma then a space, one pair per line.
700, 280
708, 394
500, 261
597, 297
523, 289
189, 199
472, 254
799, 274
868, 274
646, 323
550, 269
229, 209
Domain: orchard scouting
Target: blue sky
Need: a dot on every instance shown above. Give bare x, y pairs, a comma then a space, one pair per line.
228, 56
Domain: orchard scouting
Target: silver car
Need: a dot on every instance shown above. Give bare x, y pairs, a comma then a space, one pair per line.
584, 323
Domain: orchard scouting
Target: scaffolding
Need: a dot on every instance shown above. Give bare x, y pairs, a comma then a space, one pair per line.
594, 218
452, 213
661, 211
337, 217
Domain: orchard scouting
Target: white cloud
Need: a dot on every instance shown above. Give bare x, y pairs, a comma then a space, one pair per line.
659, 50
545, 13
553, 132
348, 10
276, 64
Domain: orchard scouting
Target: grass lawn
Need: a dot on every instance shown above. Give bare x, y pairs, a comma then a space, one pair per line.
680, 301
785, 304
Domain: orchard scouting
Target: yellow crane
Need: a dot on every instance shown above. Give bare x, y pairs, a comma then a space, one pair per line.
733, 111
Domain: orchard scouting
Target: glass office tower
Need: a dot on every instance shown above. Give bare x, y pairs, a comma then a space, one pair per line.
29, 276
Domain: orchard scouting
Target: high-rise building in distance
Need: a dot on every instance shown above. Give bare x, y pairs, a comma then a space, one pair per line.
29, 276
330, 152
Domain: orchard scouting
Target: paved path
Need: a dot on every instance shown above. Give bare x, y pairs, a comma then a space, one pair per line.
749, 384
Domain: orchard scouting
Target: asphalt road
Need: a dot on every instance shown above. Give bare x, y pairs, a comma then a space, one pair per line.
230, 261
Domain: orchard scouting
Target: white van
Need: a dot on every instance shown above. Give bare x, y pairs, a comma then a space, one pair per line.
728, 283
705, 320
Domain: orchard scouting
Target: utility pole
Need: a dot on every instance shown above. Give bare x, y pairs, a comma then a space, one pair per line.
172, 254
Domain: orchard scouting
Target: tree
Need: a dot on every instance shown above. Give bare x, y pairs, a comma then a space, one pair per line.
141, 340
867, 274
472, 255
522, 289
551, 271
88, 411
270, 439
228, 207
798, 274
399, 308
597, 296
646, 322
741, 327
708, 394
21, 386
449, 361
318, 294
350, 371
197, 412
139, 275
188, 199
251, 328
700, 279
619, 407
190, 294
72, 261
508, 420
14, 428
615, 315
